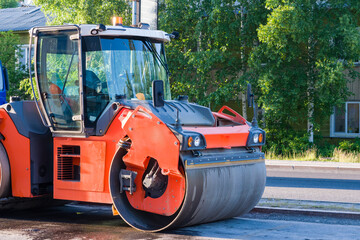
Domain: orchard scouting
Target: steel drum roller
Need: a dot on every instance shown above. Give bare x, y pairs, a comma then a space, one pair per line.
212, 193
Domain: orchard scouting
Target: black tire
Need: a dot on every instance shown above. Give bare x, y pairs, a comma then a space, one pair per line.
5, 185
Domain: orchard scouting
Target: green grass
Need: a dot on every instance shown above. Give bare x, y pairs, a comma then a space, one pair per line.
309, 155
312, 155
343, 156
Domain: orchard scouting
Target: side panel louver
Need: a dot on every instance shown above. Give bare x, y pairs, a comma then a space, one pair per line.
68, 163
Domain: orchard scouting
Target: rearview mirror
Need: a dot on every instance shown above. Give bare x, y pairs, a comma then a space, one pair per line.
250, 96
175, 34
158, 93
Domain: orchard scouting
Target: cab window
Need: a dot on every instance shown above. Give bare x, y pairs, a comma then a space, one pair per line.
58, 73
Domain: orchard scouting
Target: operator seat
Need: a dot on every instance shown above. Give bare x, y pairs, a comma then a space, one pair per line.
95, 99
91, 83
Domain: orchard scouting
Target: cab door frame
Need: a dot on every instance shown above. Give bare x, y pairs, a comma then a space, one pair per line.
34, 35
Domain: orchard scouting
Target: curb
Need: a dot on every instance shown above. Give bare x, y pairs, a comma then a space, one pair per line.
308, 212
311, 167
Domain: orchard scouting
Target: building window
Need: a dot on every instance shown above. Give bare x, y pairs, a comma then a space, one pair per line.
24, 52
345, 122
357, 62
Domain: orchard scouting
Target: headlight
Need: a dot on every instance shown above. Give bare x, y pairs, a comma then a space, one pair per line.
190, 140
197, 141
256, 138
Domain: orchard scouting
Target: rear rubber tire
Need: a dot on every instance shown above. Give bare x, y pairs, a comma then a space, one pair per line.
4, 173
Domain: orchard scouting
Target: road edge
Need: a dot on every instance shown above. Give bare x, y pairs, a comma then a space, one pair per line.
309, 212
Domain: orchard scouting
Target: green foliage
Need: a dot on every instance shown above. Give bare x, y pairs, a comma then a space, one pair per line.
8, 3
215, 41
350, 146
286, 142
25, 87
84, 11
326, 151
9, 46
304, 60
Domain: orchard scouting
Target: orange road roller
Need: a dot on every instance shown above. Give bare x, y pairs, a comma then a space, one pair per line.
103, 129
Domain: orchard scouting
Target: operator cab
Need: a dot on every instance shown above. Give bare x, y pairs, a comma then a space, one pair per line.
80, 72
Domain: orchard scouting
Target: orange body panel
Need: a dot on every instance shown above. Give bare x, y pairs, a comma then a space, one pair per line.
92, 166
96, 154
18, 150
151, 138
223, 137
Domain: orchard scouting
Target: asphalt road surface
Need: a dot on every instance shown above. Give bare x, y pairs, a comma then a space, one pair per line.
79, 221
309, 186
76, 221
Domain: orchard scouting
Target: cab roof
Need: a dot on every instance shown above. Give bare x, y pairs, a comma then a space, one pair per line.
85, 30
102, 30
88, 30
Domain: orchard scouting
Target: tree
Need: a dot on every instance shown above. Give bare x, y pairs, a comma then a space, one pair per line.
8, 3
216, 37
303, 63
84, 11
9, 46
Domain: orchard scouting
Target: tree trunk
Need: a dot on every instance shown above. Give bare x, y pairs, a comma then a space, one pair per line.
244, 105
149, 13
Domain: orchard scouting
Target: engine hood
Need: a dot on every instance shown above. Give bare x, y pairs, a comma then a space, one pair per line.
190, 114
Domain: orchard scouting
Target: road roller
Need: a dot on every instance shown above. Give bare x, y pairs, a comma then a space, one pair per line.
103, 128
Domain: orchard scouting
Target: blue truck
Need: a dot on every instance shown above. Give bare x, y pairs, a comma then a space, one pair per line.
4, 84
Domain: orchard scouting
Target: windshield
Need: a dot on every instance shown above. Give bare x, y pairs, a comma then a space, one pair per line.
125, 67
121, 68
